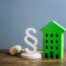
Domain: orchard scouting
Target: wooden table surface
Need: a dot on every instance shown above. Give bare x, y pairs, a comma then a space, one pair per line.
7, 60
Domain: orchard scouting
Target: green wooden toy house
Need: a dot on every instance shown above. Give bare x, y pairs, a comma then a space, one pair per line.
53, 40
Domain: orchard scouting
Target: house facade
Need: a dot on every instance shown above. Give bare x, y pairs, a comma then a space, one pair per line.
53, 40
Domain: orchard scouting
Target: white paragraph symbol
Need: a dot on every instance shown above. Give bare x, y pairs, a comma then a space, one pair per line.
28, 35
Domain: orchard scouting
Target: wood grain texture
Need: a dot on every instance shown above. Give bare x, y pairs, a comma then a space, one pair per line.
7, 60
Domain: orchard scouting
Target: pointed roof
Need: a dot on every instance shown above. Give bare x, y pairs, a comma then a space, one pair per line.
56, 23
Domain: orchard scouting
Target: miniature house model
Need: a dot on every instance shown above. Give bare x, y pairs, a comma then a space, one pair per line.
53, 40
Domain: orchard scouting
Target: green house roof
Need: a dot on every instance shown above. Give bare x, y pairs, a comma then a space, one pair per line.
53, 25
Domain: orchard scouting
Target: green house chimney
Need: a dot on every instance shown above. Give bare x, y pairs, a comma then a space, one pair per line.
53, 40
